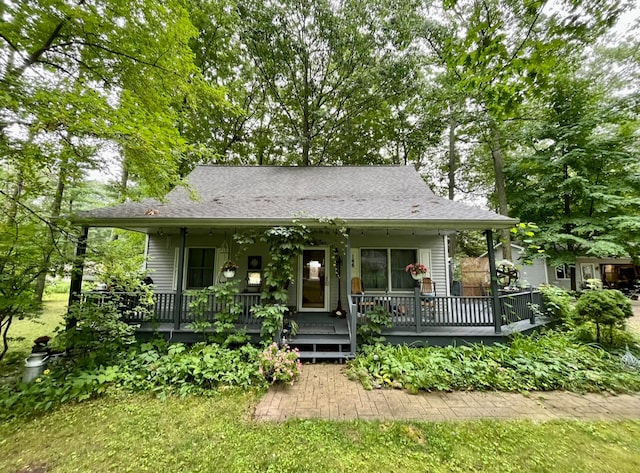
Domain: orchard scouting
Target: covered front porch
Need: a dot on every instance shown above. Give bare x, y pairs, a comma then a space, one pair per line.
416, 320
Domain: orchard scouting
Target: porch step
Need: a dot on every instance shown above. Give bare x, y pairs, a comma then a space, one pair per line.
325, 339
322, 347
325, 355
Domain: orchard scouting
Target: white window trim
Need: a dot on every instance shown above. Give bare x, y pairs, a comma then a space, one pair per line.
566, 269
186, 264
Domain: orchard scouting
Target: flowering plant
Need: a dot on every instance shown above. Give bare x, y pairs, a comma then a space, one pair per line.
280, 364
416, 269
229, 266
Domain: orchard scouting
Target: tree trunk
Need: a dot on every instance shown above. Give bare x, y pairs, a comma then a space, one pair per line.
56, 205
498, 166
453, 167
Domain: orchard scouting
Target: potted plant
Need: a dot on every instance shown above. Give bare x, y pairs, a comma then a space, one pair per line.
417, 270
229, 269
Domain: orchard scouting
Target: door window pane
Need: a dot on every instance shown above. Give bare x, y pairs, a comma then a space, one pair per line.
313, 282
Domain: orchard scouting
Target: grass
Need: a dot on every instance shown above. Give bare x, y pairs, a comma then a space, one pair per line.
23, 332
195, 434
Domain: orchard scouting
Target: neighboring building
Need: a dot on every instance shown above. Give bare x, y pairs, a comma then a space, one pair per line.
534, 273
615, 273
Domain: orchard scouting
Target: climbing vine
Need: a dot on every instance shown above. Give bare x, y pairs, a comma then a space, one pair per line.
285, 244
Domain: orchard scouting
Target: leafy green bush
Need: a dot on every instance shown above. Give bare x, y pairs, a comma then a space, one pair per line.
558, 303
370, 330
151, 367
609, 308
99, 332
548, 362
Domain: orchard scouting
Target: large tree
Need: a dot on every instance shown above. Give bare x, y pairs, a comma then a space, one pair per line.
497, 54
578, 177
333, 75
80, 81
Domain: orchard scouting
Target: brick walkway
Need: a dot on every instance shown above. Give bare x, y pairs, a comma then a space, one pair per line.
324, 392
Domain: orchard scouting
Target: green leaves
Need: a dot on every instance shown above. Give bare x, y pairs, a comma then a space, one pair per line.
544, 363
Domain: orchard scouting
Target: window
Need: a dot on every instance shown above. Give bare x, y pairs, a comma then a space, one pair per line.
384, 265
200, 267
563, 272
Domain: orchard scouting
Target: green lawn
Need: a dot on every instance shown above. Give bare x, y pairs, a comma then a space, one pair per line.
123, 433
22, 333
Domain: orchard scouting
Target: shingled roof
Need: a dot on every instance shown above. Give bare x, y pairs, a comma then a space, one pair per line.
377, 196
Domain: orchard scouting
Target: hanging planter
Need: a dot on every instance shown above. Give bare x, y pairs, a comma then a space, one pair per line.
417, 271
229, 269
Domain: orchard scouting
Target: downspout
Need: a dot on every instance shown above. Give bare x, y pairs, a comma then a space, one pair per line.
495, 296
352, 313
77, 272
177, 307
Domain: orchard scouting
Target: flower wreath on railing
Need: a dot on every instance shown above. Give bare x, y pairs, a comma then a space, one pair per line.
416, 269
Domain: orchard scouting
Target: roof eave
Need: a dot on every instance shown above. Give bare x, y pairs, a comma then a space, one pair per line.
155, 222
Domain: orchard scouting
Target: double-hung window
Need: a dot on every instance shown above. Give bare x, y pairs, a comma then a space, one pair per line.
383, 269
200, 268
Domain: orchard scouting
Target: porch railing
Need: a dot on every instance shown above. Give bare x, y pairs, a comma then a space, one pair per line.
164, 303
418, 312
522, 305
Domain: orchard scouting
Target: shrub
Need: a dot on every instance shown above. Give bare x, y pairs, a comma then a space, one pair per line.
280, 364
152, 366
558, 303
609, 308
99, 333
371, 329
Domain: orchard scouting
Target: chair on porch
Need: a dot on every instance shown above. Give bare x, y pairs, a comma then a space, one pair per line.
357, 290
428, 296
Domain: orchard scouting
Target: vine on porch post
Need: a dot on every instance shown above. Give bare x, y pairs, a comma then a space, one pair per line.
285, 245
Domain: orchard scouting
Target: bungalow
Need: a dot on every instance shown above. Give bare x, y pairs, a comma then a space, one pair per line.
390, 219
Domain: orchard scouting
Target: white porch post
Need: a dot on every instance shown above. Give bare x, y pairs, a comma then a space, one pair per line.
177, 306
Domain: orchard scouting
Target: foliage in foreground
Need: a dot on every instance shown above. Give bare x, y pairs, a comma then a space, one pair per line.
544, 363
152, 367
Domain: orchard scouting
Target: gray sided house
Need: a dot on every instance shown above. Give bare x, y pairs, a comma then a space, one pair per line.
391, 218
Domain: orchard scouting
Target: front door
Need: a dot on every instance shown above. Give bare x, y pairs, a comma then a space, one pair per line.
314, 289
